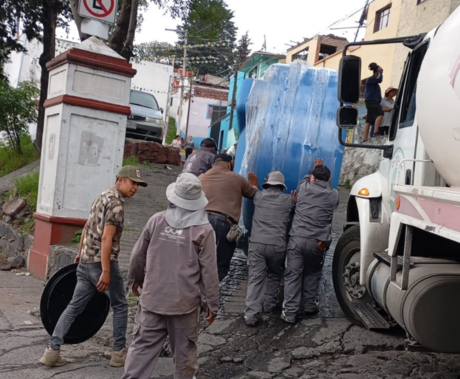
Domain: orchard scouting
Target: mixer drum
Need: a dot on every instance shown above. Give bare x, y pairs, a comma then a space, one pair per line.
430, 308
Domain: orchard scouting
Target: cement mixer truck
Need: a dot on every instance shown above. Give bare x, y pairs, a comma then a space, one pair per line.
398, 260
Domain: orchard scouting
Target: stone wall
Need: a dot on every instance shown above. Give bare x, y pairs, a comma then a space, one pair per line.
59, 257
358, 162
12, 243
151, 152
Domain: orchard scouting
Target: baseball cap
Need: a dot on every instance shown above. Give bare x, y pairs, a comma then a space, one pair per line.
322, 173
131, 172
223, 158
209, 142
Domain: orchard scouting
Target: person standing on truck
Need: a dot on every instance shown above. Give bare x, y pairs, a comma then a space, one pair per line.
388, 104
310, 237
189, 146
373, 98
174, 263
98, 268
225, 191
203, 159
267, 247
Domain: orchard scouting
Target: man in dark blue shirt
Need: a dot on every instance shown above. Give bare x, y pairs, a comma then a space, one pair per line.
373, 98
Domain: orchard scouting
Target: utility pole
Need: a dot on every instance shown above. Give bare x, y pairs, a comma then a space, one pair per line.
182, 82
362, 19
179, 118
171, 81
188, 111
233, 103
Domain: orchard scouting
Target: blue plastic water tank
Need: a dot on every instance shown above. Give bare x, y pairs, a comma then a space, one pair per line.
286, 121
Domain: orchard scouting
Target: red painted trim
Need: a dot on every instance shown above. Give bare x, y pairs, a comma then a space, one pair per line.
88, 103
59, 220
93, 60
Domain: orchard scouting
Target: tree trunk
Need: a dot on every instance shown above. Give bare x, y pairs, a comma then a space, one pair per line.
118, 37
51, 9
77, 19
127, 51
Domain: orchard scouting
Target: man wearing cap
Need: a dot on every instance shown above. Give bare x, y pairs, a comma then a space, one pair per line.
310, 238
267, 246
225, 191
174, 262
98, 267
203, 159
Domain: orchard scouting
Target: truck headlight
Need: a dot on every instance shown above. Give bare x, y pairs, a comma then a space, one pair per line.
155, 120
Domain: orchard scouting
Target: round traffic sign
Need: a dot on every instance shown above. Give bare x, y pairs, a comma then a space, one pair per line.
105, 10
55, 299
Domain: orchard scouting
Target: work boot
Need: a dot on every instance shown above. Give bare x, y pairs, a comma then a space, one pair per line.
52, 358
289, 320
311, 311
118, 358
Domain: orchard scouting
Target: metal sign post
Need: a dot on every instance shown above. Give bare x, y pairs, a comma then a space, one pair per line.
95, 11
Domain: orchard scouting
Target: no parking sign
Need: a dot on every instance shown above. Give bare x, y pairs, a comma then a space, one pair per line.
101, 10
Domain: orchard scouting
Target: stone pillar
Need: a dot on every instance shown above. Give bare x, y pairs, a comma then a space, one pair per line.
83, 141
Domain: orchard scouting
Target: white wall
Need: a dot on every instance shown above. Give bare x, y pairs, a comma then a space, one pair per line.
153, 78
198, 121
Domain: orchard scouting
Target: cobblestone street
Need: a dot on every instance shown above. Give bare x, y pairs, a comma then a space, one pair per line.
323, 346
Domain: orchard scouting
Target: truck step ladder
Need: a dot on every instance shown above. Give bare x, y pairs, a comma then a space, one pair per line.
371, 319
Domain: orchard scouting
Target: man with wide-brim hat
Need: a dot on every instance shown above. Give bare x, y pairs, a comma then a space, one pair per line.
388, 104
174, 263
98, 267
267, 247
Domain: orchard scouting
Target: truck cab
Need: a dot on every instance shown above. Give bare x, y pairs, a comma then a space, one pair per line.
394, 265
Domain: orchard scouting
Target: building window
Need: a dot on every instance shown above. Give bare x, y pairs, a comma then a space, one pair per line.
382, 19
209, 112
326, 50
302, 55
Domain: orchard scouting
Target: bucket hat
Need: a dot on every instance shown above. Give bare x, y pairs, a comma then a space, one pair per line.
186, 193
275, 178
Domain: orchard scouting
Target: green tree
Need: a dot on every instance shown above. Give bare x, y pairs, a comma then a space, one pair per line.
155, 51
17, 110
17, 16
211, 33
242, 50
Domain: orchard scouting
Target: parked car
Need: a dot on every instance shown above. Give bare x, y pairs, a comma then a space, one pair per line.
146, 119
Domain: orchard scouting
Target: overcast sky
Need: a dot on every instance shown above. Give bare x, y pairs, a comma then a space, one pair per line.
281, 22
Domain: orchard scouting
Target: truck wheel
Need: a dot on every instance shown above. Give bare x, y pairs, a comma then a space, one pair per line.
345, 273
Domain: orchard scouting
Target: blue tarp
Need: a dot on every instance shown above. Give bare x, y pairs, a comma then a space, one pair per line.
290, 120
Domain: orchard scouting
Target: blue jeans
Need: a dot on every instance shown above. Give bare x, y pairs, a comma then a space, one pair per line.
87, 277
225, 249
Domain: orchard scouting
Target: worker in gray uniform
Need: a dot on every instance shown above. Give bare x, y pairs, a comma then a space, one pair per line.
203, 159
174, 263
310, 237
267, 246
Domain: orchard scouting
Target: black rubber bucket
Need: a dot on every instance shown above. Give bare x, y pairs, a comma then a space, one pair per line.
57, 295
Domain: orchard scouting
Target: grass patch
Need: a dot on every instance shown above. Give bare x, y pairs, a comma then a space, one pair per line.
128, 229
27, 227
130, 161
171, 131
347, 184
27, 187
77, 237
11, 161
